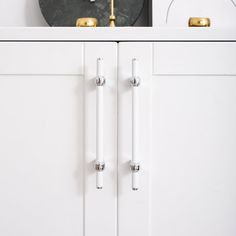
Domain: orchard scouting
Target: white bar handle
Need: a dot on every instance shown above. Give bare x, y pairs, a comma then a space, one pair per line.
134, 164
99, 163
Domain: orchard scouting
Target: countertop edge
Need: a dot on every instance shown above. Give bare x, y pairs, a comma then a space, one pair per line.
118, 34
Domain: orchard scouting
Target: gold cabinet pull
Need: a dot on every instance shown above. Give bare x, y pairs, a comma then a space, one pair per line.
199, 22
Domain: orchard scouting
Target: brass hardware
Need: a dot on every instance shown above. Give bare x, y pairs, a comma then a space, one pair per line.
112, 17
199, 22
86, 22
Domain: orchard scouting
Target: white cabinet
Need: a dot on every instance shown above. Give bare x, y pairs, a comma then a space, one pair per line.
187, 105
46, 171
178, 124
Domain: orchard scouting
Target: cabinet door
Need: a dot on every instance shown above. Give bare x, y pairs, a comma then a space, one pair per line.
44, 188
187, 135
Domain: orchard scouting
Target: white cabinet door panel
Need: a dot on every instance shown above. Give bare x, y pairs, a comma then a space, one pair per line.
188, 151
47, 140
41, 155
194, 156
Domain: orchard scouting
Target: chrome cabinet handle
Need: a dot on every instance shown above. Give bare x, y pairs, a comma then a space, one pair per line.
134, 163
99, 162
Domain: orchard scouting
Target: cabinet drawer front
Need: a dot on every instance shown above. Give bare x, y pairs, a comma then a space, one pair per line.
194, 58
41, 58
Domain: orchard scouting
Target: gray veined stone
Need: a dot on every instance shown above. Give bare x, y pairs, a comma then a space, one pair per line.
66, 12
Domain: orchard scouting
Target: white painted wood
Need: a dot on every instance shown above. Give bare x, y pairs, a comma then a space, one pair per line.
193, 174
48, 138
188, 179
41, 58
41, 155
186, 144
115, 34
194, 58
101, 204
133, 210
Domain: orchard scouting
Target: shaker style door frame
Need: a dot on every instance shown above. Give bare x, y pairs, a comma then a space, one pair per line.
58, 118
48, 139
41, 153
185, 113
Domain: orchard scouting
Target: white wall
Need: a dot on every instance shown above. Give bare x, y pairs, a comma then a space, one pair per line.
221, 12
20, 13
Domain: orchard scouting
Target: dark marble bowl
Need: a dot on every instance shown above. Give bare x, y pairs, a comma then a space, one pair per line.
66, 12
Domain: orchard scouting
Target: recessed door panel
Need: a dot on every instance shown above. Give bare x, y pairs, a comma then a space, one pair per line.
41, 155
193, 182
